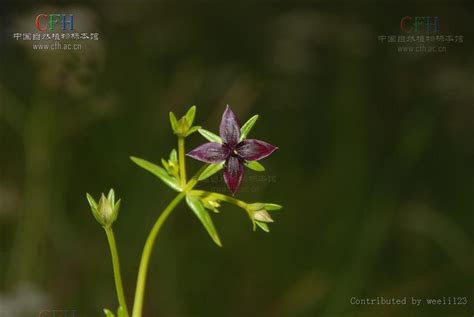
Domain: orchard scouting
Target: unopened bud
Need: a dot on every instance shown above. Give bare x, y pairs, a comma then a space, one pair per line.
106, 211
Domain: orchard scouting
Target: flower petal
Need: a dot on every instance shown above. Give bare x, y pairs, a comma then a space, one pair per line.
230, 128
233, 173
253, 150
211, 152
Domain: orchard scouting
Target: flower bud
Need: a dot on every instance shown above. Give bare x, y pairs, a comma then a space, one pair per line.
106, 211
184, 126
258, 213
211, 204
171, 165
262, 215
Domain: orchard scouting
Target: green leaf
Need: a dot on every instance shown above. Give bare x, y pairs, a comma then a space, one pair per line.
111, 197
254, 165
120, 312
116, 210
157, 171
244, 131
255, 206
165, 164
91, 201
173, 121
273, 207
173, 156
108, 313
193, 129
94, 209
190, 115
203, 215
262, 226
210, 136
211, 170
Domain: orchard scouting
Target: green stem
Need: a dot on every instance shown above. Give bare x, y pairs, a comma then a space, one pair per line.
222, 197
142, 271
182, 165
116, 265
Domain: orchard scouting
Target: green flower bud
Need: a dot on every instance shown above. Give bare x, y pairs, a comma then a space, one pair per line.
258, 213
171, 165
261, 215
184, 126
106, 211
211, 204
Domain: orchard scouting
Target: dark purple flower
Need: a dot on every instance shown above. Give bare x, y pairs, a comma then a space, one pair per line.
233, 151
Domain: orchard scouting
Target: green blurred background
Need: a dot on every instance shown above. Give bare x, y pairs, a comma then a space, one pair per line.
375, 168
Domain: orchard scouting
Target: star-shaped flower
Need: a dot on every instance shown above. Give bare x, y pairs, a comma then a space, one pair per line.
234, 151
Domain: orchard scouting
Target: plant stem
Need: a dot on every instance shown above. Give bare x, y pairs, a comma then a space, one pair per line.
142, 271
182, 165
222, 197
116, 265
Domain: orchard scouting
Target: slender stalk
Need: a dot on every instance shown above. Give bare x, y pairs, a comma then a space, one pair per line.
116, 265
142, 271
182, 165
222, 197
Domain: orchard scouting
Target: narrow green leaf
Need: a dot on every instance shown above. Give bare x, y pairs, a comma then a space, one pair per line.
273, 207
203, 215
94, 209
165, 164
173, 155
116, 210
193, 129
262, 226
120, 312
158, 171
244, 131
190, 115
173, 121
211, 170
111, 197
108, 313
254, 165
210, 136
91, 201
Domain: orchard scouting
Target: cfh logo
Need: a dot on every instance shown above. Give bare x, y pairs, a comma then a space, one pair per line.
48, 22
410, 24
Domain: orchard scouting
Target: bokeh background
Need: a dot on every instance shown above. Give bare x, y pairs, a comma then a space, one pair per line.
375, 168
